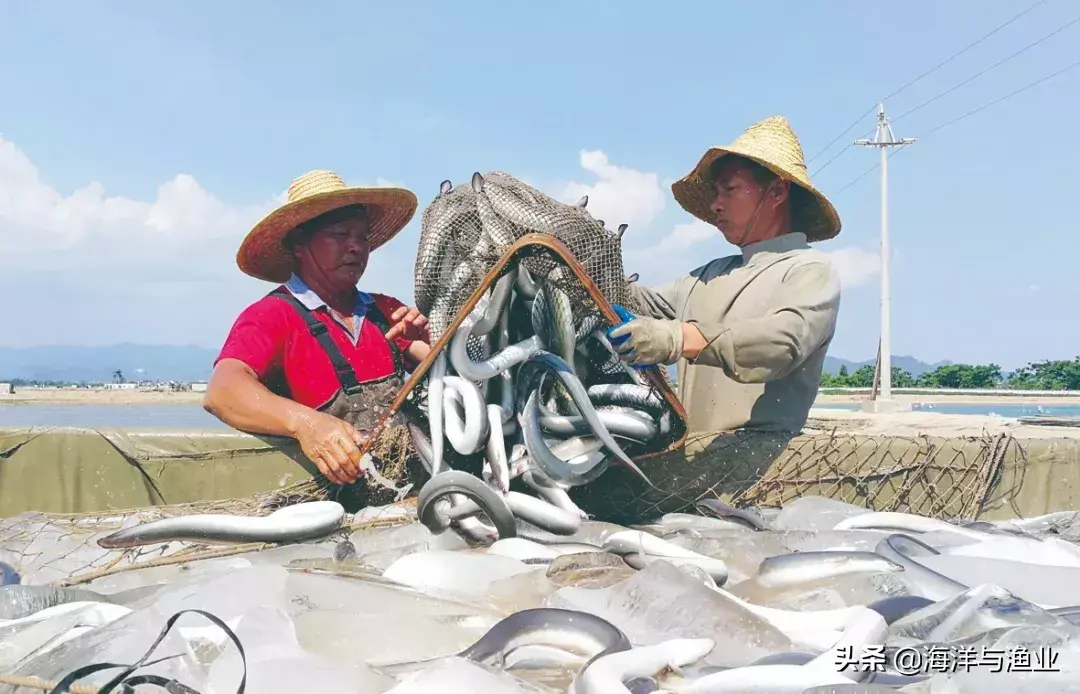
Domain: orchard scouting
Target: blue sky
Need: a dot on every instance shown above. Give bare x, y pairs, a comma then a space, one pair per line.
139, 141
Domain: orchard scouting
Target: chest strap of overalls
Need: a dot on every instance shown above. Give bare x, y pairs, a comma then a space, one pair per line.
320, 331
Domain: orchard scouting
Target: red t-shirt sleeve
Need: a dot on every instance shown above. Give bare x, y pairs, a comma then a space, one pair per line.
258, 336
388, 304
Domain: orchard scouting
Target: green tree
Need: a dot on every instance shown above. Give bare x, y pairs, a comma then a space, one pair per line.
901, 378
962, 376
1047, 375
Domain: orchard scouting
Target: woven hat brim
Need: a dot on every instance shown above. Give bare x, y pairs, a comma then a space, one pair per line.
263, 255
812, 213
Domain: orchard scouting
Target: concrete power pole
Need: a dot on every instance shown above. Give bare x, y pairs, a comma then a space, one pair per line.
883, 139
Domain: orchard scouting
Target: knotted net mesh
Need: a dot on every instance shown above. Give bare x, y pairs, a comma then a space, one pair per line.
468, 229
465, 232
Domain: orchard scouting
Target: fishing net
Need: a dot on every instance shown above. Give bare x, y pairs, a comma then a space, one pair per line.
947, 478
465, 232
497, 230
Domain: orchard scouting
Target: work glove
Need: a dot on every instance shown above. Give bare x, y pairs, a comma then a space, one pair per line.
644, 341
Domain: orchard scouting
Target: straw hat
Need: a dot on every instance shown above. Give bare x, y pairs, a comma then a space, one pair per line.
773, 144
263, 254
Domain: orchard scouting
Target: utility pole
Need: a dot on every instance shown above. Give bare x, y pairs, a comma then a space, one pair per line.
883, 139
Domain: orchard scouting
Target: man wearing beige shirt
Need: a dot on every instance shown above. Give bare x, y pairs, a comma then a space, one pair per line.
749, 332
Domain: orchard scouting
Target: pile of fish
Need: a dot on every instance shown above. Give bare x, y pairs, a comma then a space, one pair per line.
528, 388
819, 596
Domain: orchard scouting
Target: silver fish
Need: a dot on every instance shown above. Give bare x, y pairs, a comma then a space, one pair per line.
496, 463
636, 396
500, 297
526, 284
552, 493
489, 368
583, 202
552, 364
18, 601
501, 236
436, 416
751, 517
294, 523
552, 466
466, 429
567, 629
619, 423
897, 607
459, 482
792, 569
622, 230
903, 549
445, 187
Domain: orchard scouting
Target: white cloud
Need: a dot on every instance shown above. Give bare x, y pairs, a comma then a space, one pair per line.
620, 195
854, 266
90, 268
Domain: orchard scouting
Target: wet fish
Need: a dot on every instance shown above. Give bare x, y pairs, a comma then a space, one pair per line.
800, 567
908, 522
551, 465
621, 422
580, 632
18, 601
496, 463
493, 366
718, 508
499, 298
526, 284
458, 482
467, 427
897, 607
436, 416
552, 493
552, 364
303, 521
903, 549
629, 542
607, 673
639, 397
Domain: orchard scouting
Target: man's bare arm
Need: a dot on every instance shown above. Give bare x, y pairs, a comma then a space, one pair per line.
237, 397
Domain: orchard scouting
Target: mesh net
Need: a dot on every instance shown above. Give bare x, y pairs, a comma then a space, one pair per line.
948, 478
468, 231
465, 232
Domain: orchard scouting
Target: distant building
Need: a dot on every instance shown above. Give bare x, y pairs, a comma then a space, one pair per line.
198, 387
121, 386
6, 389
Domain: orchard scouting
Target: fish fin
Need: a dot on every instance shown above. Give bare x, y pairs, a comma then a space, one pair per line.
477, 182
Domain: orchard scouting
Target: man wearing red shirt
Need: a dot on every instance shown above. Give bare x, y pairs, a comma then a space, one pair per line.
317, 359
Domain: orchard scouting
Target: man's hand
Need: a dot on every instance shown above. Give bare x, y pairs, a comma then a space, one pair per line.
408, 323
332, 444
646, 341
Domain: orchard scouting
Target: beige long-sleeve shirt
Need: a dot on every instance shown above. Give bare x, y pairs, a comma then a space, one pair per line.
769, 316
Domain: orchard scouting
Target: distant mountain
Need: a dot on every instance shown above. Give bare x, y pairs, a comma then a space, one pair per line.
190, 363
909, 364
97, 364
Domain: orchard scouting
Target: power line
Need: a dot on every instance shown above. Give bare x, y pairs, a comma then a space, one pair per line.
983, 72
937, 67
1000, 99
956, 120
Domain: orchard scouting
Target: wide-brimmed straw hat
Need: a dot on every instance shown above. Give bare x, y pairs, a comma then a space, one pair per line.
773, 144
263, 254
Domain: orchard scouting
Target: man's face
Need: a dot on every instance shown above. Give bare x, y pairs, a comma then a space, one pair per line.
741, 205
338, 252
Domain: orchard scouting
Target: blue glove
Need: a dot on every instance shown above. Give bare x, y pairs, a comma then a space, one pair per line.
626, 317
